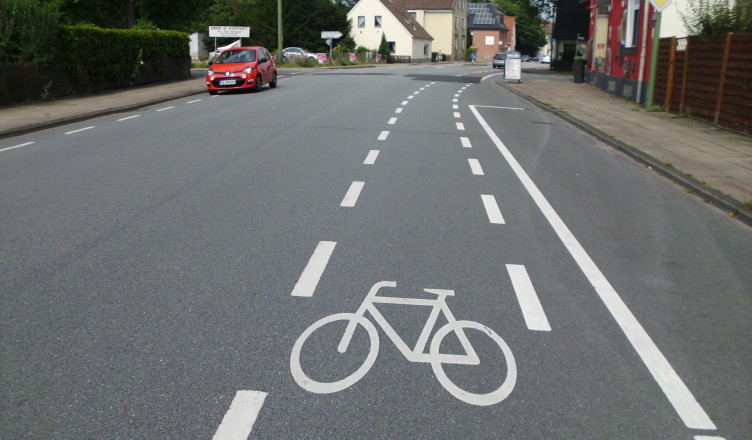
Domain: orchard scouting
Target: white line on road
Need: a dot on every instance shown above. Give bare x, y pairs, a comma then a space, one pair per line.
392, 121
466, 142
166, 108
383, 135
417, 92
404, 103
532, 311
503, 108
685, 404
492, 209
129, 117
457, 115
351, 197
17, 146
80, 129
410, 97
195, 100
311, 275
460, 126
371, 158
475, 167
399, 110
455, 100
456, 95
239, 419
708, 437
455, 107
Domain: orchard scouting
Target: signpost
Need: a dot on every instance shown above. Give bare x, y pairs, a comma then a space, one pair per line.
228, 32
329, 36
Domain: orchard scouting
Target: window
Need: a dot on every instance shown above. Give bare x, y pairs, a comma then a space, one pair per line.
377, 21
392, 47
361, 21
633, 23
414, 14
425, 50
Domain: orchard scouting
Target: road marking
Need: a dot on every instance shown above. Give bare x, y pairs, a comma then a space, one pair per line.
455, 100
17, 146
410, 97
475, 167
492, 209
532, 311
311, 275
456, 95
195, 100
239, 419
129, 117
673, 387
351, 197
417, 92
392, 121
404, 103
80, 129
383, 135
455, 107
166, 108
423, 88
708, 437
457, 115
503, 108
399, 110
466, 142
371, 158
460, 126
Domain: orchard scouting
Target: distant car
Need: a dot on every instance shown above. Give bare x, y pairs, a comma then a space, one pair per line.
545, 59
297, 52
241, 68
499, 60
525, 58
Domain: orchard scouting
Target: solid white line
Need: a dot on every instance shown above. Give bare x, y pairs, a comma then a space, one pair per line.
81, 129
17, 146
129, 117
311, 275
392, 121
503, 108
489, 76
195, 100
457, 115
492, 209
466, 142
239, 419
673, 387
399, 110
383, 135
460, 126
475, 167
371, 158
532, 311
166, 108
351, 197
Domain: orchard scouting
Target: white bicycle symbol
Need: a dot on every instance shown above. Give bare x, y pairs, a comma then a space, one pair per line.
434, 357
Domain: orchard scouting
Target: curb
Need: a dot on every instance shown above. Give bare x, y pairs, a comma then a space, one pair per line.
734, 208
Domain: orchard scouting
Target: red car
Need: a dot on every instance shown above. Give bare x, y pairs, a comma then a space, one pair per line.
241, 68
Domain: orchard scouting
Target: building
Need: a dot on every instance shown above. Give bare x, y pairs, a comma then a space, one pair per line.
512, 34
371, 19
570, 30
445, 20
488, 31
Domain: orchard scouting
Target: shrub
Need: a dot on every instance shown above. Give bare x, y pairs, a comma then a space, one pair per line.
28, 31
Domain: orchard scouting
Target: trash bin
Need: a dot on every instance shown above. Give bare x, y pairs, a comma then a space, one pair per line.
578, 66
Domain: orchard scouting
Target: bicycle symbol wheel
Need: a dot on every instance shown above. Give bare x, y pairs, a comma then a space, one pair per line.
313, 386
487, 399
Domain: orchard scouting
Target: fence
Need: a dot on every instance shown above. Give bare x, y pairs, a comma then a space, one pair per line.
708, 78
23, 82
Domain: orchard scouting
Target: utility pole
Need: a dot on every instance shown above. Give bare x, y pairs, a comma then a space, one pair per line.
279, 30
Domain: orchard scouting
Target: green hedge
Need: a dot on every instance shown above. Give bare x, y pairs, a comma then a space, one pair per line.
94, 56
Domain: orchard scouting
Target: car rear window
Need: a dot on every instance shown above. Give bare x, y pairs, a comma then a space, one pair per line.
237, 56
499, 56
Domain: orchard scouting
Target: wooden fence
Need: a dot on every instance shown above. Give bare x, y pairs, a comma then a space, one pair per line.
708, 78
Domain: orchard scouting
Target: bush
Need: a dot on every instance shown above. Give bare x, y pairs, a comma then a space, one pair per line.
28, 31
469, 53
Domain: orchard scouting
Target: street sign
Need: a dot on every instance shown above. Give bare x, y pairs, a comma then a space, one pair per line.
660, 5
229, 31
330, 34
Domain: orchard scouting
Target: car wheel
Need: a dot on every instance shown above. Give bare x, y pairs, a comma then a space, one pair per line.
273, 83
257, 86
212, 92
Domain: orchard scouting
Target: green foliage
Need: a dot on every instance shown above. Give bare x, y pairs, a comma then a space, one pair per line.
28, 31
718, 17
182, 15
469, 53
384, 48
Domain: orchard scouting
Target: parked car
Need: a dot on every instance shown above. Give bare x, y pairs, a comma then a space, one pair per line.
241, 68
297, 52
499, 60
545, 59
525, 58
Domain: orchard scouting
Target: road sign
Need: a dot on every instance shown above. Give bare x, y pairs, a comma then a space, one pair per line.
229, 31
660, 5
330, 34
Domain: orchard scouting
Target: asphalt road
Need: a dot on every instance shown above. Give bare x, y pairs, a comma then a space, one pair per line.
163, 273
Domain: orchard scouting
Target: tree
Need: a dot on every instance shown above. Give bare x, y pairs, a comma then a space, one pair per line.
384, 48
718, 17
27, 30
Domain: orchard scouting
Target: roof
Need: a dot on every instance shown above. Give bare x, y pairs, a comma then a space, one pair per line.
396, 7
429, 4
485, 16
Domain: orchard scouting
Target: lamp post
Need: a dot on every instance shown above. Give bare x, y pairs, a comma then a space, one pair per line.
279, 29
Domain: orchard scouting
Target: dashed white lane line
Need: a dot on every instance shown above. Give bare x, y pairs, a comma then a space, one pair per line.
80, 129
455, 100
195, 100
410, 97
492, 209
457, 115
532, 311
466, 142
166, 108
460, 126
17, 146
417, 92
392, 121
456, 95
129, 117
475, 167
455, 107
399, 110
404, 103
383, 135
371, 158
708, 437
311, 275
681, 398
239, 419
351, 197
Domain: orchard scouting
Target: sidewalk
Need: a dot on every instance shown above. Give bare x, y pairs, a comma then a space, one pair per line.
714, 163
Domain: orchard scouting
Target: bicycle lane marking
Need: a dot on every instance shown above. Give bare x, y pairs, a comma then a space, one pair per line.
311, 275
239, 419
532, 310
684, 403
